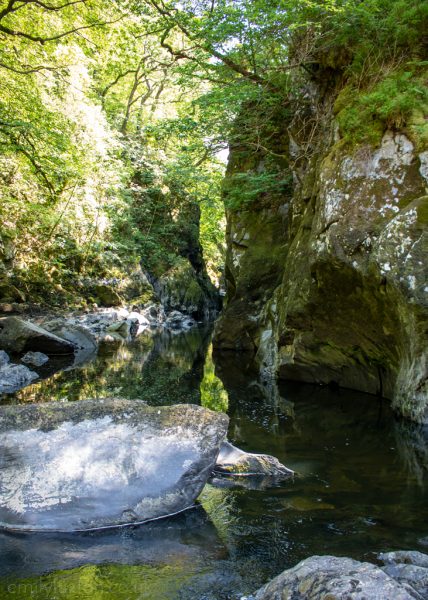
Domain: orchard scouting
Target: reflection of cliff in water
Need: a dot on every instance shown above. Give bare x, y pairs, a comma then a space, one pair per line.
320, 417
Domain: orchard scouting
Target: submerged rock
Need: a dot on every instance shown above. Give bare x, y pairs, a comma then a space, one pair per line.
14, 377
17, 335
103, 463
236, 462
334, 578
35, 358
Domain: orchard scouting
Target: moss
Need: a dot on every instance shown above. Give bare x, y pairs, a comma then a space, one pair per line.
398, 100
417, 128
422, 211
194, 294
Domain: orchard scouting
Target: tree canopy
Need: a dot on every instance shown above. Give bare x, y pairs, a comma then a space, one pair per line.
113, 115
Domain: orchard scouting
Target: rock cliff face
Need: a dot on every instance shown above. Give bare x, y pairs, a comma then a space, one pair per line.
329, 284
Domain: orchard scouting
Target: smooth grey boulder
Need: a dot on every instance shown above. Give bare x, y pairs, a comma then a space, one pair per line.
333, 578
35, 358
81, 337
102, 463
14, 377
17, 335
408, 567
236, 462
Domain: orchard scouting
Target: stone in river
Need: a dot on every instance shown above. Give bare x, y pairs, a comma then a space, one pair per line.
234, 462
103, 463
322, 577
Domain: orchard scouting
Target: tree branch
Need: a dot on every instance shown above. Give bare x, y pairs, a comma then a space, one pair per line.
43, 40
234, 66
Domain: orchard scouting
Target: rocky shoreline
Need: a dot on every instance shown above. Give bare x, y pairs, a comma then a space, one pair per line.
28, 342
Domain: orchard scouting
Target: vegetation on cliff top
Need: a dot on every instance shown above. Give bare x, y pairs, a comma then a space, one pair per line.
112, 117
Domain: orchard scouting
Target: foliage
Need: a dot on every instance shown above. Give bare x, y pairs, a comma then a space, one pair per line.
390, 103
112, 116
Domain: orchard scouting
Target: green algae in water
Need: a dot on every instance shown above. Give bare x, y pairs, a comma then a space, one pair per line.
99, 582
361, 484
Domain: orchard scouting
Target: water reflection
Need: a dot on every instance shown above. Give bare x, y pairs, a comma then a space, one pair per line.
185, 538
361, 484
213, 392
161, 367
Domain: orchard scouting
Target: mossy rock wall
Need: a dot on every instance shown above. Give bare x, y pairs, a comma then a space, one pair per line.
336, 291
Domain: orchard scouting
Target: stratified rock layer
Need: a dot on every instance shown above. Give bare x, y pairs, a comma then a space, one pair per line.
102, 463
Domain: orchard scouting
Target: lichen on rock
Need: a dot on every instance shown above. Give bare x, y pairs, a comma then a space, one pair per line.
329, 284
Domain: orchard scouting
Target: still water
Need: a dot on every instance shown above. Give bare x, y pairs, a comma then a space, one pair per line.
361, 485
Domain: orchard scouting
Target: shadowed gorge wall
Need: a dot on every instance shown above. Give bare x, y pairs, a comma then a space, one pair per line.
328, 283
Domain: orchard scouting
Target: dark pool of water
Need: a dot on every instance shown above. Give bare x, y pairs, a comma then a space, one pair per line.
361, 486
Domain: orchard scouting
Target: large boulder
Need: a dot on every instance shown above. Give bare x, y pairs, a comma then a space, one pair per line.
102, 463
17, 335
81, 337
333, 578
14, 377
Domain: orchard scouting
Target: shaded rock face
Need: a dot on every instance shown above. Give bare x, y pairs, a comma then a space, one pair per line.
184, 289
17, 335
329, 286
336, 579
105, 463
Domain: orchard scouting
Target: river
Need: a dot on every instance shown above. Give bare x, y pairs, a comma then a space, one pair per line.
361, 483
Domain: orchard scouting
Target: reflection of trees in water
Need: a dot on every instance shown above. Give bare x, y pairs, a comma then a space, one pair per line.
294, 412
174, 370
213, 393
251, 399
159, 367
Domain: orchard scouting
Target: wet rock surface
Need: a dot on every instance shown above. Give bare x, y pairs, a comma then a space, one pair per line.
334, 578
103, 463
235, 462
